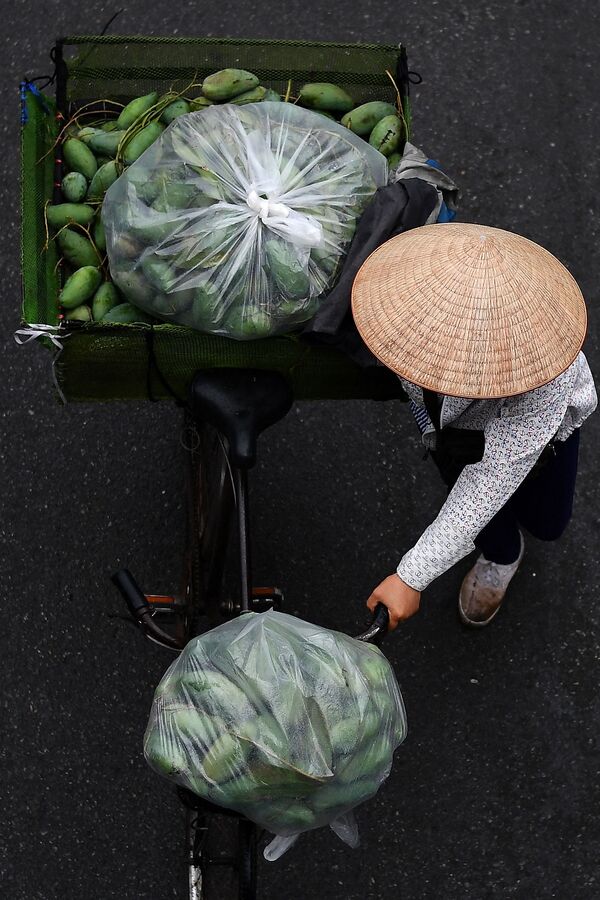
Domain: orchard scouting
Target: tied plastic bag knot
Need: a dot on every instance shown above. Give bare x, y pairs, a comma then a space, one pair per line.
303, 231
266, 208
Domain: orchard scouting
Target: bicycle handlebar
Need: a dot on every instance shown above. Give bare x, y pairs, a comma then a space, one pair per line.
131, 592
141, 610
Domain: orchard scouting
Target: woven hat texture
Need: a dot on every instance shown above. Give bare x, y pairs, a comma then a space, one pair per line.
469, 311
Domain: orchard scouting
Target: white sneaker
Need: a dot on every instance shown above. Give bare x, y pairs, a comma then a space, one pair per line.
483, 589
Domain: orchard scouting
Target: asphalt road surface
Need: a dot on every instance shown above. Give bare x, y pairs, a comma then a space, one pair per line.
495, 792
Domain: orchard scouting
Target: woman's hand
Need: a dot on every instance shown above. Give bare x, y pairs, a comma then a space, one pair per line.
401, 600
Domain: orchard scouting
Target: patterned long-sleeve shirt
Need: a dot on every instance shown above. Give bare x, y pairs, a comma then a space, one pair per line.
516, 431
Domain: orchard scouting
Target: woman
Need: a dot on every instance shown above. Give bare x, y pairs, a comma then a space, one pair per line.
485, 330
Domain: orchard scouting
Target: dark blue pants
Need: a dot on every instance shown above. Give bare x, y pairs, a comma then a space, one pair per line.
542, 504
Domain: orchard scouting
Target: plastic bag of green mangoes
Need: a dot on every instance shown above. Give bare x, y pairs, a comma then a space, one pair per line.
237, 219
290, 724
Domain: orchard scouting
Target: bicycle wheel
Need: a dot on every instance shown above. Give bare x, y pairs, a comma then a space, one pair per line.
221, 854
221, 849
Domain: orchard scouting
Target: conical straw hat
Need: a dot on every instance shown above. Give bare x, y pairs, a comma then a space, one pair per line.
469, 311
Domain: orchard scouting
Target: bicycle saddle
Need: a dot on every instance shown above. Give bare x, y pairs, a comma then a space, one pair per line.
240, 403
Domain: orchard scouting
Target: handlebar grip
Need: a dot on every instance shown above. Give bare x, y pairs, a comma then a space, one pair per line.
381, 619
131, 592
377, 630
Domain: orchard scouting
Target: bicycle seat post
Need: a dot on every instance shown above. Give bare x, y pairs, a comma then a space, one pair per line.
240, 404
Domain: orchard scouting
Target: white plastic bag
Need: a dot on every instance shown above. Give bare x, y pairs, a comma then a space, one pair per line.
288, 723
236, 220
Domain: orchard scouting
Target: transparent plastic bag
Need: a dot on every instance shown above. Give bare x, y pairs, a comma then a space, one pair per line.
288, 723
236, 220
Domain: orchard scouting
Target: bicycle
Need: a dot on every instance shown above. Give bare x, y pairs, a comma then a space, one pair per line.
227, 411
227, 408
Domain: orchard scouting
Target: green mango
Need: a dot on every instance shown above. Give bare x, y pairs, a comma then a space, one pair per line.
254, 96
199, 103
286, 270
106, 143
105, 299
242, 789
279, 782
99, 235
110, 126
225, 758
102, 180
387, 135
291, 313
249, 324
163, 757
80, 286
343, 797
323, 112
159, 272
364, 118
74, 187
215, 247
207, 308
142, 141
126, 314
394, 160
288, 816
344, 736
228, 83
68, 214
371, 725
77, 249
134, 286
174, 110
152, 230
370, 761
126, 247
175, 195
224, 694
147, 189
322, 95
194, 726
373, 664
136, 108
84, 134
172, 304
79, 158
209, 184
192, 683
272, 96
325, 260
79, 314
329, 797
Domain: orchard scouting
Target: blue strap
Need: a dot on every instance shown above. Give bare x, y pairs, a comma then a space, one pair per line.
445, 214
29, 87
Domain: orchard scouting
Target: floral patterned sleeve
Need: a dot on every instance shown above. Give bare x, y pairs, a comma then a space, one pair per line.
513, 442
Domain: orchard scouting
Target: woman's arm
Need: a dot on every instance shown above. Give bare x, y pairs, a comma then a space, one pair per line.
513, 442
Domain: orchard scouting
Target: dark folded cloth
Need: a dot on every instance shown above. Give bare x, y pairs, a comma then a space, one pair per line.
395, 208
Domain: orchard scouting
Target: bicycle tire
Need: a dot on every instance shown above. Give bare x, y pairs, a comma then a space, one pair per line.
248, 852
221, 850
221, 856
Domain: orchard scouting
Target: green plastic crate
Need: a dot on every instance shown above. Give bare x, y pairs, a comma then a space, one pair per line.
114, 362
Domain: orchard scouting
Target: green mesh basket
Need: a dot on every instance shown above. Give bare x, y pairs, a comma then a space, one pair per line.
106, 362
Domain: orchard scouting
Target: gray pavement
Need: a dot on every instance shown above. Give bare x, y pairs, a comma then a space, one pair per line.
495, 793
